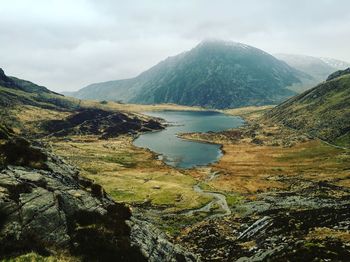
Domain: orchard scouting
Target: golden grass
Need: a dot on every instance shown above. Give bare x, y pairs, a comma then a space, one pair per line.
31, 117
249, 168
110, 105
130, 174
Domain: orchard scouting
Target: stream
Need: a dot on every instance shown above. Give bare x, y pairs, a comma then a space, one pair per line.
183, 153
218, 199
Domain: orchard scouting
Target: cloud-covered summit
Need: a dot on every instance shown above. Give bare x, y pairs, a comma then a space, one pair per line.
68, 44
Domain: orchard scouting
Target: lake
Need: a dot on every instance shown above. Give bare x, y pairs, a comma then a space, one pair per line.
182, 153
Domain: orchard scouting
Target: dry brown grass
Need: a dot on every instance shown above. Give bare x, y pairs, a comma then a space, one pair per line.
248, 168
110, 105
31, 117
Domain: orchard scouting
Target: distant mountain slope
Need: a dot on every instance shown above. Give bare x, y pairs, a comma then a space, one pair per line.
214, 74
338, 64
316, 67
323, 111
14, 91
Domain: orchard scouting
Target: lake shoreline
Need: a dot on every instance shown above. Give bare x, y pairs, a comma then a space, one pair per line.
177, 150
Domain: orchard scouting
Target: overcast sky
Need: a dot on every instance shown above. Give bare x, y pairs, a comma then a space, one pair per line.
68, 44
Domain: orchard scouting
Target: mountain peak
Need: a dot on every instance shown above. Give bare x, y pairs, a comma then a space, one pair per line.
214, 74
218, 42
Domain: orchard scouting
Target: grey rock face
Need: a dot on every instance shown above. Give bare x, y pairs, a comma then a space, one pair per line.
44, 210
52, 208
154, 245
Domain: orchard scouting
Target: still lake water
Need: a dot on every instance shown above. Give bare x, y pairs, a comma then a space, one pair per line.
182, 153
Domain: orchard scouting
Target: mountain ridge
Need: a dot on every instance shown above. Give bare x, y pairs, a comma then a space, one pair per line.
316, 68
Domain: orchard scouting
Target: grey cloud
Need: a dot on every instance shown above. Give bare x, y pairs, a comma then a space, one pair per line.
66, 45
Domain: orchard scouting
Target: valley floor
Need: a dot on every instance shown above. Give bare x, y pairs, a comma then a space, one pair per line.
288, 195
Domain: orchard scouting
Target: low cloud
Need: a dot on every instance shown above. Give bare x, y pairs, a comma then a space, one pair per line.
66, 45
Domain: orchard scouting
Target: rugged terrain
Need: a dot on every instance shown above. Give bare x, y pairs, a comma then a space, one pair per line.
214, 74
278, 193
47, 209
294, 197
294, 186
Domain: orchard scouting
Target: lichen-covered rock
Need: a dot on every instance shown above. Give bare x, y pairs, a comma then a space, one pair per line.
52, 208
43, 210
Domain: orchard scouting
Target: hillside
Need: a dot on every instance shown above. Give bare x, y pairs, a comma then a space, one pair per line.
15, 91
34, 110
214, 74
323, 111
316, 68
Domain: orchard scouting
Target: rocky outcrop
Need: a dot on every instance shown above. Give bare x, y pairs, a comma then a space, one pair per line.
154, 244
4, 80
45, 207
338, 74
284, 235
51, 207
5, 132
100, 122
310, 224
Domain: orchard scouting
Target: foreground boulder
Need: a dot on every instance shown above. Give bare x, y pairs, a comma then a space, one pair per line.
51, 208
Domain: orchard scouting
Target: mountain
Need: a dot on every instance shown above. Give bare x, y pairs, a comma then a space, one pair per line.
338, 64
318, 68
323, 111
214, 74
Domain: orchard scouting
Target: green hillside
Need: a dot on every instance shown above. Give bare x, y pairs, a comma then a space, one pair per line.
323, 111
